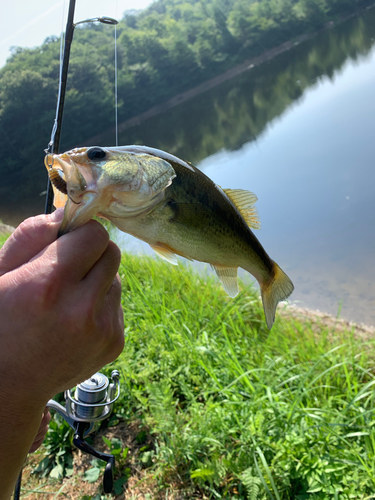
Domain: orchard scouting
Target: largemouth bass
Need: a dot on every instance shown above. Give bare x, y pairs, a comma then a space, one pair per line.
171, 205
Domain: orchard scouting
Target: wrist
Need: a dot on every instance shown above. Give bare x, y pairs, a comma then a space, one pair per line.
19, 421
21, 392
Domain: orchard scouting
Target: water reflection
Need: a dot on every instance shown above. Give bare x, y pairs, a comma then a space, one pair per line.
314, 175
240, 110
297, 131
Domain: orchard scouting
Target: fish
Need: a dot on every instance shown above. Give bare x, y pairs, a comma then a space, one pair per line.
171, 205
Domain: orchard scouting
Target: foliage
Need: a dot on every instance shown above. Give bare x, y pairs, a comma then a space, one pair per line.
162, 51
58, 462
240, 110
3, 238
96, 472
92, 475
236, 411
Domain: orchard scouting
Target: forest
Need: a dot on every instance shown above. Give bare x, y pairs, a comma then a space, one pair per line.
163, 50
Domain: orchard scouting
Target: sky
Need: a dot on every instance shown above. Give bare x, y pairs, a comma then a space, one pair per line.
27, 23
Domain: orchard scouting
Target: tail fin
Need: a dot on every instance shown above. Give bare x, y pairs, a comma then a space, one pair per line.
277, 289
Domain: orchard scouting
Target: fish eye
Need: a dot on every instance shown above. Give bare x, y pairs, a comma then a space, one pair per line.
96, 154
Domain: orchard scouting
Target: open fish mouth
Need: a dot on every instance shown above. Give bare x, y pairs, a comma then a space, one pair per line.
99, 181
66, 177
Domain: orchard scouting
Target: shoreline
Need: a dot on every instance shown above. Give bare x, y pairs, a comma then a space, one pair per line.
5, 229
236, 70
315, 317
319, 319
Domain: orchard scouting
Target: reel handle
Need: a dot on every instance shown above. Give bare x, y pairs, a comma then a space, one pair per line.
80, 443
108, 476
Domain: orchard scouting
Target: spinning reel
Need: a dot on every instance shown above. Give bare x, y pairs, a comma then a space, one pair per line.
91, 403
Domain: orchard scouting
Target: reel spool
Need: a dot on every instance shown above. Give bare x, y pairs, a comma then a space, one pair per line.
91, 402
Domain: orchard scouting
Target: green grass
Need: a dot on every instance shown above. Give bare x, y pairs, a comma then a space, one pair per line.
236, 411
3, 238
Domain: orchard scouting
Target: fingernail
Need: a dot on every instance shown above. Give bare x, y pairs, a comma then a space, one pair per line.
57, 215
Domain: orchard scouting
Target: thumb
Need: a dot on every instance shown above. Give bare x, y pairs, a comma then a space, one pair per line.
30, 238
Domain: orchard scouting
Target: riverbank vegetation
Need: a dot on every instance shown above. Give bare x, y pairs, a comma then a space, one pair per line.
162, 51
3, 238
5, 231
214, 405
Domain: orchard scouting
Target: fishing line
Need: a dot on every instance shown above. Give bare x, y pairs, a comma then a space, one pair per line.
116, 104
55, 134
116, 113
53, 147
49, 196
62, 40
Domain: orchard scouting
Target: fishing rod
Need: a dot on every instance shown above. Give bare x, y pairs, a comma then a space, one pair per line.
54, 143
92, 401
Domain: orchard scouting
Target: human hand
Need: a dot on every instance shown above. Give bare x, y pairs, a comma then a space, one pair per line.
43, 428
61, 318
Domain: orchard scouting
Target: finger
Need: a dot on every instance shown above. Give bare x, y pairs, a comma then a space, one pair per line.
102, 276
113, 299
75, 253
115, 344
46, 417
36, 445
41, 433
121, 317
29, 239
43, 424
114, 296
43, 428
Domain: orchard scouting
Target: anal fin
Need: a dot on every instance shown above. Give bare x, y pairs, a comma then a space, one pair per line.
228, 278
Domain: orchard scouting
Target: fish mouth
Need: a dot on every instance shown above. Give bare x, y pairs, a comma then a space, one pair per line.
82, 203
88, 196
77, 214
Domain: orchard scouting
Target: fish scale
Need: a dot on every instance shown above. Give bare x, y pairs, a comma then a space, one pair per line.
173, 206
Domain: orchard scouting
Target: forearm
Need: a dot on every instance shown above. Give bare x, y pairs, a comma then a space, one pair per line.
19, 423
59, 305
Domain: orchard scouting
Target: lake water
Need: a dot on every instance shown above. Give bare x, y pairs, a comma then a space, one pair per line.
298, 131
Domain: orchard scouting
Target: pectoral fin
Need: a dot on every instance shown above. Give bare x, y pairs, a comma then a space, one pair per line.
228, 277
165, 253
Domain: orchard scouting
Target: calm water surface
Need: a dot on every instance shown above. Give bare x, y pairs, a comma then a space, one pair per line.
314, 173
299, 132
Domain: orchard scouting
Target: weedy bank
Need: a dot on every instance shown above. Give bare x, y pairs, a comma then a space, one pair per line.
222, 407
3, 239
4, 234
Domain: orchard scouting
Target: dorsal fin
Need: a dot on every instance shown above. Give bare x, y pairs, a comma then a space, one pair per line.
244, 201
228, 278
